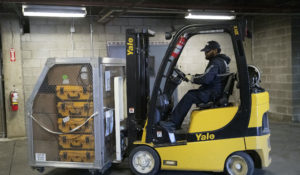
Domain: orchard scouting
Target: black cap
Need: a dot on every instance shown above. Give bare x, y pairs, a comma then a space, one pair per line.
211, 45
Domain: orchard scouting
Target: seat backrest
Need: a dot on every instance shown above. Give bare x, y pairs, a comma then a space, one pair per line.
227, 91
228, 84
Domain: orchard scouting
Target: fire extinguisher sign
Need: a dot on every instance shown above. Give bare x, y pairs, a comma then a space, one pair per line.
12, 55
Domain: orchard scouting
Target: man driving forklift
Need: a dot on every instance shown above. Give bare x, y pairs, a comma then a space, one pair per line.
211, 85
233, 138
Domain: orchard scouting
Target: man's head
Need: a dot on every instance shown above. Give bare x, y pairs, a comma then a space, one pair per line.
212, 49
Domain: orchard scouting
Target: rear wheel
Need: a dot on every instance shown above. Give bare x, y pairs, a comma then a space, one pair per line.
239, 163
144, 160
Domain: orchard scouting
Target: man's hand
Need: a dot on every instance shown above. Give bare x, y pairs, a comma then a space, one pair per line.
189, 77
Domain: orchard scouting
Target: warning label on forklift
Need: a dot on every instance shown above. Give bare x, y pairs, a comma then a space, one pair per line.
40, 157
131, 110
159, 133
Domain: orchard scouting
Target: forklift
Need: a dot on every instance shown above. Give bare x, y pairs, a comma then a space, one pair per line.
221, 136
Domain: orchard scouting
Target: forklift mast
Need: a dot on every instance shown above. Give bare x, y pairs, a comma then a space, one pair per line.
138, 90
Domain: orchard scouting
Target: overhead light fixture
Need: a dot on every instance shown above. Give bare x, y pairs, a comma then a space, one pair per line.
216, 16
53, 11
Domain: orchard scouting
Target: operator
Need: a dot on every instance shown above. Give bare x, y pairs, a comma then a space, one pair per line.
211, 85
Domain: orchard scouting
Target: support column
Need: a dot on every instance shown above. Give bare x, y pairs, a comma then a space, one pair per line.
13, 78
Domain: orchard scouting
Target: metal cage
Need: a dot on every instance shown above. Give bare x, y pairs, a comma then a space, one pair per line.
70, 113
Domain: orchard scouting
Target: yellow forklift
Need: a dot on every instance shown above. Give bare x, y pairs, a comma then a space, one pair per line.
221, 136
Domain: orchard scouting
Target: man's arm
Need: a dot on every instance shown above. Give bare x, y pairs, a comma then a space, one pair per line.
206, 78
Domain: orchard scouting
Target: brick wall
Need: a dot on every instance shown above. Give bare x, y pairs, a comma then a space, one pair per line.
52, 38
296, 67
272, 54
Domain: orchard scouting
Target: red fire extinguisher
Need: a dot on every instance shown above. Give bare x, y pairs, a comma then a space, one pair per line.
14, 103
179, 46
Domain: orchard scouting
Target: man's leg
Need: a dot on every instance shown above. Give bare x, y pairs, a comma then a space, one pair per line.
183, 107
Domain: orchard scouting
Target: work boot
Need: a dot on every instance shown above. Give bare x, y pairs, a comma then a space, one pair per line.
168, 125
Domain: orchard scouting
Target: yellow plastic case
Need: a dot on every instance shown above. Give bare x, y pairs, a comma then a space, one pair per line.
66, 126
79, 109
76, 156
73, 93
76, 141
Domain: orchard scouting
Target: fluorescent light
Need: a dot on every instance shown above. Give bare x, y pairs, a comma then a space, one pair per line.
53, 11
210, 17
45, 14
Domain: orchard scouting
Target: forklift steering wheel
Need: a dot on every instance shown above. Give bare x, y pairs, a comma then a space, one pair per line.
181, 74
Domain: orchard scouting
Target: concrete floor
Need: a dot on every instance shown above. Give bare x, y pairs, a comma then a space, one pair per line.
285, 142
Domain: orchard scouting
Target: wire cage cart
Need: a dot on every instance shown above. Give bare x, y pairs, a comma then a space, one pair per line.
73, 111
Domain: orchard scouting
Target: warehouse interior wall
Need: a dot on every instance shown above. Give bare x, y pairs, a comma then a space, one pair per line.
51, 37
272, 53
296, 67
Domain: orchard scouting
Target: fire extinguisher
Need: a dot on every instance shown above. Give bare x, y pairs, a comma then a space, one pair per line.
179, 46
14, 103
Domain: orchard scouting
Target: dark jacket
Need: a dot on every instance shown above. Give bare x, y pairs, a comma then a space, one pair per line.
211, 80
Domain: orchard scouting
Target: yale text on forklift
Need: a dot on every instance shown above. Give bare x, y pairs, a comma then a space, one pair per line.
203, 136
130, 46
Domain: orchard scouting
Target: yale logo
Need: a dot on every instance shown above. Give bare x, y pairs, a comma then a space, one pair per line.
203, 137
130, 46
236, 30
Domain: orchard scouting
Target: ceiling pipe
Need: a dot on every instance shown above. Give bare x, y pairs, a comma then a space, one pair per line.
124, 10
148, 16
103, 18
157, 11
106, 15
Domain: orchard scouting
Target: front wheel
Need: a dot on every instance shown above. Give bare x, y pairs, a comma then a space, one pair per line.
144, 160
239, 163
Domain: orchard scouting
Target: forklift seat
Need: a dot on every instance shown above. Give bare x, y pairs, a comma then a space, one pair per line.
223, 100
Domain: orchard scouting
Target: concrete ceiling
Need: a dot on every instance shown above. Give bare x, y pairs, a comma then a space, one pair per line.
104, 10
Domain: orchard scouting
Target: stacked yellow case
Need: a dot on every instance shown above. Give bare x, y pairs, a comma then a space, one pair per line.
74, 107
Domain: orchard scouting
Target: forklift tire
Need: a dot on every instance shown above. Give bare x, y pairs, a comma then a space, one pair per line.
144, 160
239, 163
